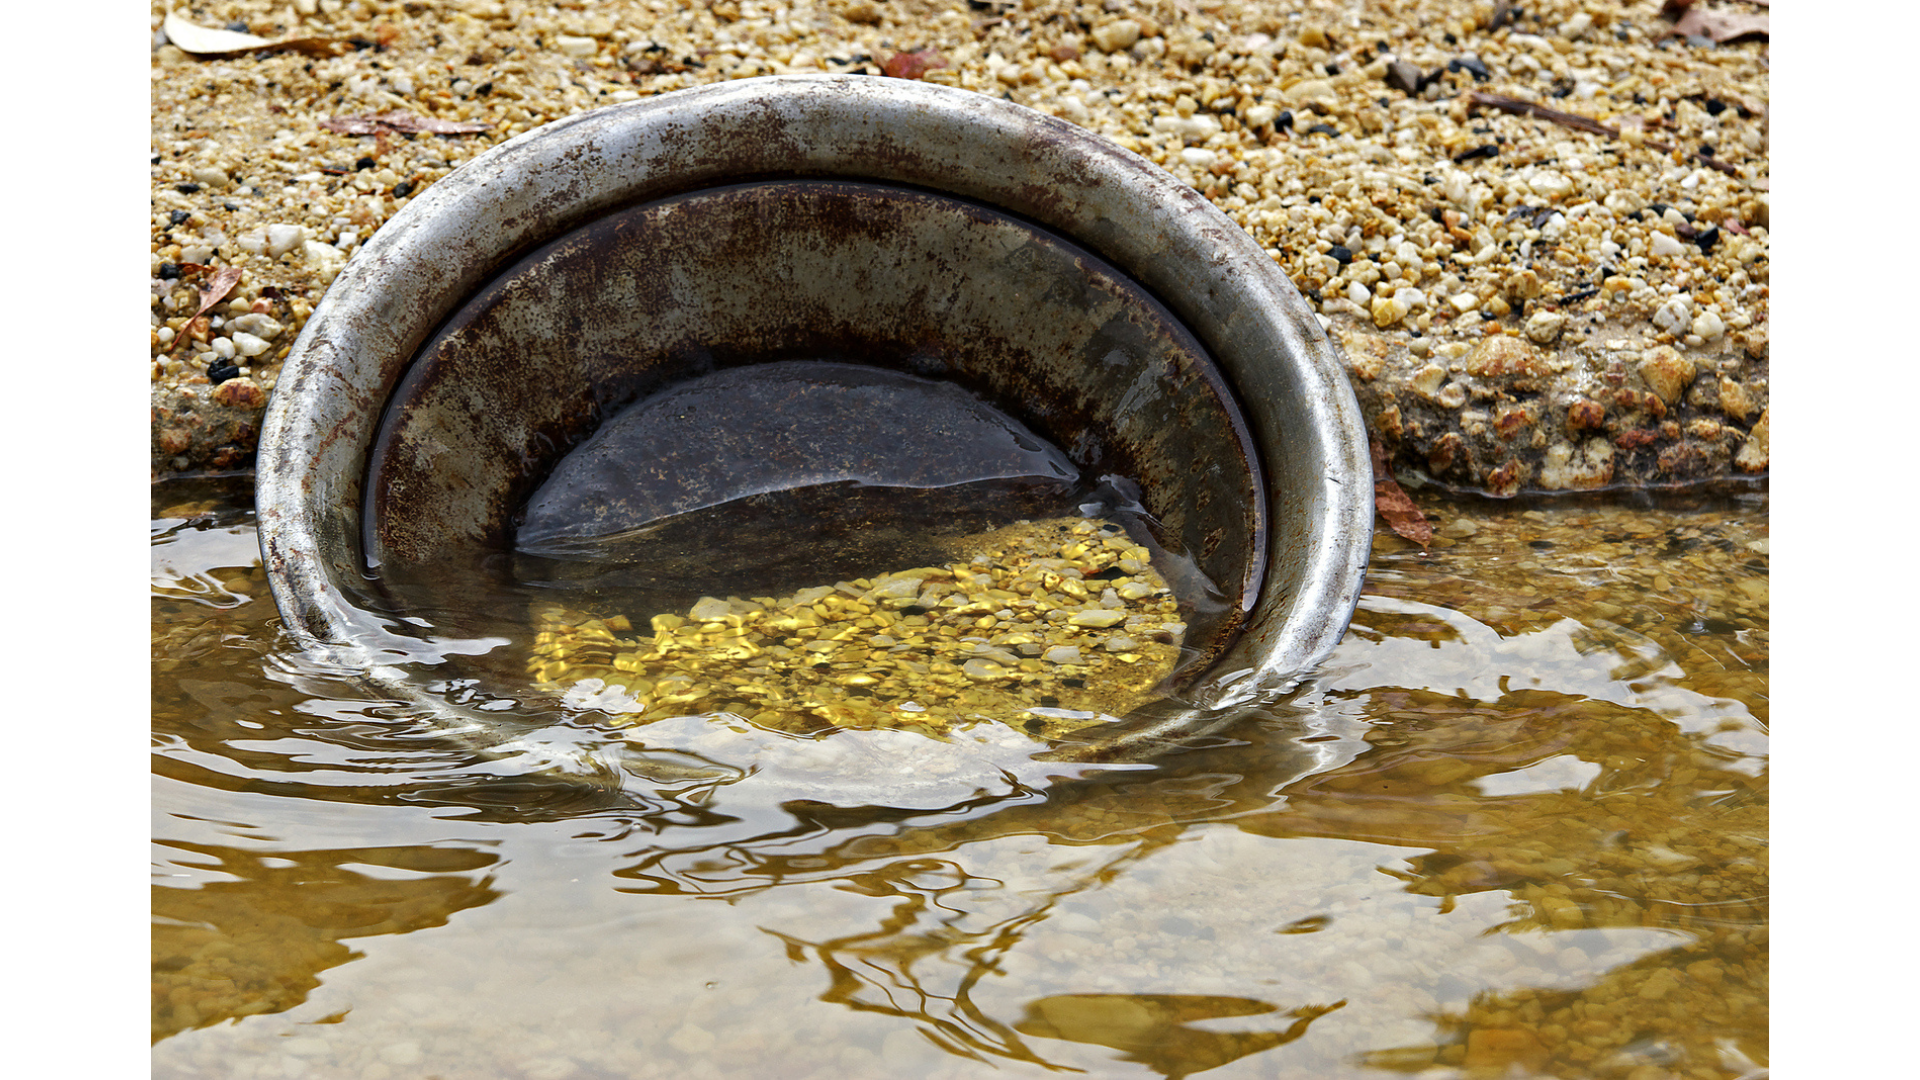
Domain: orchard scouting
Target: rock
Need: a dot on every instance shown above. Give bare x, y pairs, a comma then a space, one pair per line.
248, 345
1735, 400
1404, 77
240, 393
1585, 414
1116, 35
1676, 315
1550, 184
284, 238
1307, 90
1709, 325
982, 668
1388, 310
710, 609
1501, 355
325, 259
1500, 1048
1543, 327
264, 327
1197, 126
1667, 245
1063, 654
1569, 468
1667, 372
1753, 456
1099, 618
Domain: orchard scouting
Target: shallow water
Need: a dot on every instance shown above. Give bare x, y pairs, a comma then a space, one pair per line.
1517, 825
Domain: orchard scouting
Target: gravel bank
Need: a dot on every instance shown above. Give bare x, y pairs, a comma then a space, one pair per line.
1525, 304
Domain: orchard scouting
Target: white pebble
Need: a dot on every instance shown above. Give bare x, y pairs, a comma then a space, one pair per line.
165, 334
1116, 35
1675, 316
247, 345
1664, 244
1358, 293
1709, 325
1064, 654
265, 327
576, 46
324, 258
1197, 126
1550, 184
1098, 617
284, 238
1198, 157
223, 347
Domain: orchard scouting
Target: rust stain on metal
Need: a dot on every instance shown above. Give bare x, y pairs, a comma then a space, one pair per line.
632, 302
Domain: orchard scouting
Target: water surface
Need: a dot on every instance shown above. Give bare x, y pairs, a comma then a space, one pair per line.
1517, 825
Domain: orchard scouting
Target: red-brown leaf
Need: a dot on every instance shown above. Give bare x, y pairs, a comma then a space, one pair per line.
1403, 517
1717, 24
222, 283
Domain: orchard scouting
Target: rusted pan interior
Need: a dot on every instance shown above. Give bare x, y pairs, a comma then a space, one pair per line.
646, 298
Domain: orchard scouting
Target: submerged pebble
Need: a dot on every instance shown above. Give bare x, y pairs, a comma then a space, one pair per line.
1014, 635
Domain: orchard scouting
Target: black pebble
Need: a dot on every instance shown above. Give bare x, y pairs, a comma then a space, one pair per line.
179, 217
1484, 151
1707, 237
220, 371
168, 272
1715, 106
238, 27
403, 189
187, 189
1472, 65
1342, 253
363, 163
1284, 121
1324, 129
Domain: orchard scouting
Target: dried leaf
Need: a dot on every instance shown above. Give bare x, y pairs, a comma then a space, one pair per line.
403, 122
206, 41
913, 65
1718, 25
1721, 26
1403, 517
217, 288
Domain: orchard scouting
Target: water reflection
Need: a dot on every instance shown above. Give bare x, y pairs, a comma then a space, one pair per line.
1155, 1029
1517, 825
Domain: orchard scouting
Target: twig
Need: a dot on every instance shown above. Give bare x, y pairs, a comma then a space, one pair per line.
1522, 107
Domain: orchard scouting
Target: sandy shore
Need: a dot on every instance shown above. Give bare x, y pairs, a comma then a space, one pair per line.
1538, 232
